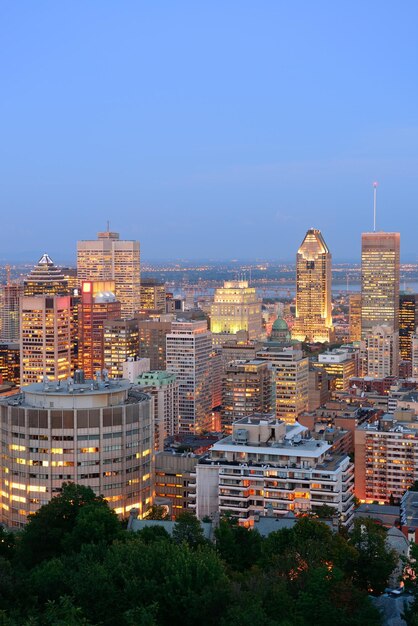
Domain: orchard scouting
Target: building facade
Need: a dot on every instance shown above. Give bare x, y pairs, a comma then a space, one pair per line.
268, 465
313, 321
98, 434
382, 352
45, 279
407, 324
354, 316
153, 296
235, 307
152, 340
112, 259
120, 339
164, 389
188, 351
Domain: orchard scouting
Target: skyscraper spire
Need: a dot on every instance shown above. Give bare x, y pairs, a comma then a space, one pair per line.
374, 205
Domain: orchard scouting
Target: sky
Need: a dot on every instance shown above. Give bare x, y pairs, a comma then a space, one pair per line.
209, 129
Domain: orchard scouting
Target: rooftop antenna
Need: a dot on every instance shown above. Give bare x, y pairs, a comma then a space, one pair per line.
108, 225
374, 205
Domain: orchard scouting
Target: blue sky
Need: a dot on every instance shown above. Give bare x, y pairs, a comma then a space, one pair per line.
207, 129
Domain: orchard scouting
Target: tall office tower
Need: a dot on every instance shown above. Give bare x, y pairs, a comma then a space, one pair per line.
313, 290
188, 356
152, 342
354, 316
380, 254
235, 307
9, 312
407, 324
70, 275
45, 338
291, 374
45, 279
110, 258
120, 344
98, 304
10, 363
216, 372
153, 296
247, 388
382, 352
164, 388
74, 432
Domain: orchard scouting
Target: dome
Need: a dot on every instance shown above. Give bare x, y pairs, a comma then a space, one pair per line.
280, 324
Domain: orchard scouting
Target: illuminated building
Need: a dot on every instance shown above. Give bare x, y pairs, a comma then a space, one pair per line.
407, 324
188, 349
45, 338
235, 307
175, 481
267, 466
10, 363
313, 290
70, 275
291, 375
95, 433
355, 316
152, 340
415, 354
45, 279
382, 352
340, 367
9, 312
280, 332
98, 304
386, 457
216, 371
153, 296
247, 388
164, 388
120, 339
379, 281
110, 258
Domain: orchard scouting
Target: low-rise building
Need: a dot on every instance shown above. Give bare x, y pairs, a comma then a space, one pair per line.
268, 465
175, 481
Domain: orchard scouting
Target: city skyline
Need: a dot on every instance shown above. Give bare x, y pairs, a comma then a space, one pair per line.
207, 151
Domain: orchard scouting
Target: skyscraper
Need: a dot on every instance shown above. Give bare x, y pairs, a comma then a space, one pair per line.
153, 296
380, 260
45, 338
120, 344
188, 355
109, 258
355, 316
45, 279
9, 311
235, 307
313, 290
407, 324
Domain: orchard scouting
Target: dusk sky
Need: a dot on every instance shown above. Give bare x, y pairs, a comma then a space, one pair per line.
207, 129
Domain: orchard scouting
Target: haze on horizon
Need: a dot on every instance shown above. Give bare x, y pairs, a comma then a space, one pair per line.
207, 130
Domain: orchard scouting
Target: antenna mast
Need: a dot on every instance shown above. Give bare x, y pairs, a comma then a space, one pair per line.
374, 206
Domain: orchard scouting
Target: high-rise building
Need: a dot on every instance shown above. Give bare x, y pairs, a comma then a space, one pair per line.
10, 363
247, 388
235, 307
45, 279
98, 304
291, 375
45, 338
164, 389
9, 312
152, 340
382, 352
97, 433
407, 324
415, 354
188, 356
354, 316
380, 260
269, 467
153, 296
110, 258
313, 290
120, 344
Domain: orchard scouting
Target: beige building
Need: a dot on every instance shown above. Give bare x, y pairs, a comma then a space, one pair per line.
45, 338
381, 352
164, 389
110, 258
340, 367
267, 465
380, 260
120, 341
153, 296
175, 481
235, 307
291, 376
313, 290
355, 316
97, 433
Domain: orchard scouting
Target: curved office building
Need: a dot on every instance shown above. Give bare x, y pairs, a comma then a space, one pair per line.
95, 433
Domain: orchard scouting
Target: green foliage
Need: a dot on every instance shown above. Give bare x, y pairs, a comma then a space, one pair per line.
156, 512
188, 529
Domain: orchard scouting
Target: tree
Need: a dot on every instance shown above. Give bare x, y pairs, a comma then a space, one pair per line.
48, 532
239, 547
188, 529
156, 512
375, 561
